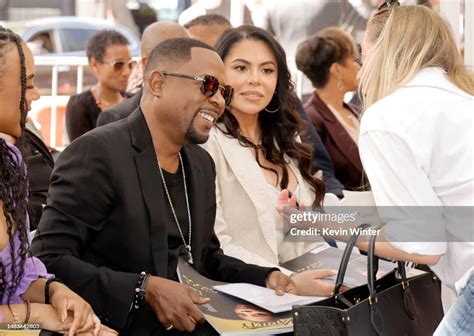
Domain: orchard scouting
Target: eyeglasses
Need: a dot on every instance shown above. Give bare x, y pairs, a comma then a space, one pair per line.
388, 4
118, 65
209, 86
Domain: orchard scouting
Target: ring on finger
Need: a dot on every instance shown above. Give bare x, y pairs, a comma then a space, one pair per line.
170, 327
192, 319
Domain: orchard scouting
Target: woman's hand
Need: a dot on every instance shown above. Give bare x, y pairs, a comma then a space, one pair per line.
47, 316
310, 283
65, 300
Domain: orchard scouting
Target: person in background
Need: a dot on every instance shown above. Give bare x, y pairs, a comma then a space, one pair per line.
328, 59
28, 294
292, 22
40, 163
208, 28
152, 36
257, 151
111, 62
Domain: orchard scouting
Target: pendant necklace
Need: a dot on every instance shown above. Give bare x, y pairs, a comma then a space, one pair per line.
187, 245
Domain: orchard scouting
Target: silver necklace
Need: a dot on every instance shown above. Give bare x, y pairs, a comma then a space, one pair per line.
187, 245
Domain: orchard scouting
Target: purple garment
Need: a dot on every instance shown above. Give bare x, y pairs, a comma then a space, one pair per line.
34, 268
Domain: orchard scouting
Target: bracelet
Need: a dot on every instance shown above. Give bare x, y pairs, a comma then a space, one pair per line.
28, 311
46, 289
139, 298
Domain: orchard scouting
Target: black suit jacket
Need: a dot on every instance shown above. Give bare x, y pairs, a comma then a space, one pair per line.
120, 111
40, 163
103, 223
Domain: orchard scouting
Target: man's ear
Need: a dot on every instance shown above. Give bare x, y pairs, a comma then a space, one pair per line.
156, 81
94, 64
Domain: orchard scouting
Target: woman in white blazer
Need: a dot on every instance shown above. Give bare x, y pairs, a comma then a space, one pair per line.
257, 152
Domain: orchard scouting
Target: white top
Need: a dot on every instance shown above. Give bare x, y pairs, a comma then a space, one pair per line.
247, 223
416, 146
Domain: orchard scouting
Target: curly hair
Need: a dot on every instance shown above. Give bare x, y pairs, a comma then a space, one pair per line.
280, 129
13, 180
101, 40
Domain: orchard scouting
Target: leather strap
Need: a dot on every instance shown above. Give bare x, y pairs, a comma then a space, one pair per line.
346, 257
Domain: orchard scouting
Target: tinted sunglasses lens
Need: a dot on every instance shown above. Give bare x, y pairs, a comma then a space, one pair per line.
119, 65
209, 86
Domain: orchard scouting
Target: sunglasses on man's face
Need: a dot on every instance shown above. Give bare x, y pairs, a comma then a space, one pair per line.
210, 85
119, 65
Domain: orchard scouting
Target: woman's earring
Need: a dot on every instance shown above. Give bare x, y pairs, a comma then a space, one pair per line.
272, 109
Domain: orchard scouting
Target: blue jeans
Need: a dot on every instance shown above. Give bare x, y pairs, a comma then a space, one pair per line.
459, 319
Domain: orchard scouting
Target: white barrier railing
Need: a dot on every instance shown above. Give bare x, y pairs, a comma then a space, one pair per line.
55, 62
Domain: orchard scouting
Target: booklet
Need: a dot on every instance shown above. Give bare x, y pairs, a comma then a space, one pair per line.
229, 315
266, 297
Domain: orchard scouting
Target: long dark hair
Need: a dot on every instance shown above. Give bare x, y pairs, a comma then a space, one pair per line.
280, 129
13, 180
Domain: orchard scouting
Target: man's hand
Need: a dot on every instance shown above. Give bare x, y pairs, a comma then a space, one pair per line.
174, 304
280, 282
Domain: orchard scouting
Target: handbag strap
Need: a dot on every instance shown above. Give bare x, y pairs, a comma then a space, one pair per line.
346, 257
372, 268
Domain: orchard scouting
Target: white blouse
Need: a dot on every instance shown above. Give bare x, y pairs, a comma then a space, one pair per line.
416, 146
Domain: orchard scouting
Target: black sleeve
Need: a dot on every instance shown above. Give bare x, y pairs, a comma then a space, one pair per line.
78, 120
105, 117
321, 159
221, 267
80, 198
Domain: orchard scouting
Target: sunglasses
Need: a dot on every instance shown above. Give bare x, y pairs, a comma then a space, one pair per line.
119, 65
209, 86
388, 4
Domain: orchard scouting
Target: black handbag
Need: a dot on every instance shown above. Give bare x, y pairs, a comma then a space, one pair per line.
391, 305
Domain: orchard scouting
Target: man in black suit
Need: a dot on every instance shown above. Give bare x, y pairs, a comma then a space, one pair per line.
155, 33
128, 199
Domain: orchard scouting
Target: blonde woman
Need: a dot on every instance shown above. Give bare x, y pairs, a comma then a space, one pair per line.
416, 148
416, 139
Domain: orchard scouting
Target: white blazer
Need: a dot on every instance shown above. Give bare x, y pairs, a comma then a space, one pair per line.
247, 223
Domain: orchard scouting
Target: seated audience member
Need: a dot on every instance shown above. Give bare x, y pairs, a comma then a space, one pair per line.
207, 28
40, 163
257, 152
111, 62
153, 34
28, 294
130, 198
416, 148
328, 59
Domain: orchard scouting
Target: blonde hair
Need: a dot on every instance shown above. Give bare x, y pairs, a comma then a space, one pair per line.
413, 38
